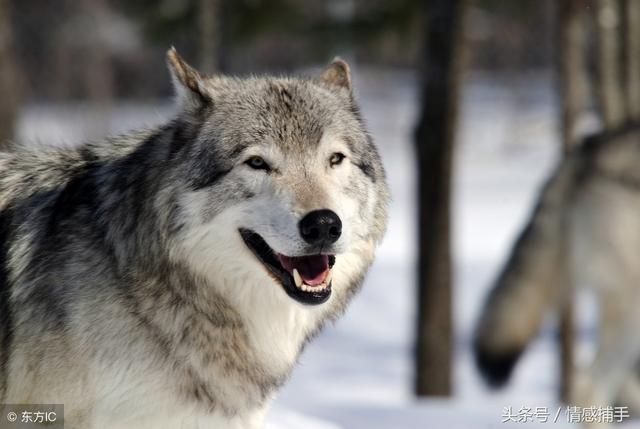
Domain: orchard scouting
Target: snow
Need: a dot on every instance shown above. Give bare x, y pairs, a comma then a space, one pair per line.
287, 419
358, 373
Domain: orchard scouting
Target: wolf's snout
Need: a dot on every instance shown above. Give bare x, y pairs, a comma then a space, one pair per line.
320, 226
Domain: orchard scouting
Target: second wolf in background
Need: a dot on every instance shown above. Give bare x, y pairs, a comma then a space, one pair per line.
585, 229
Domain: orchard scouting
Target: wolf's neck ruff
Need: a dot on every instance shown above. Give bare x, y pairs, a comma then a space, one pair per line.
182, 269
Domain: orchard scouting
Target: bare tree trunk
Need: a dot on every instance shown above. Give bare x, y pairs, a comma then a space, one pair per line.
62, 66
209, 32
570, 72
610, 92
98, 73
435, 134
225, 30
632, 58
99, 79
570, 68
9, 79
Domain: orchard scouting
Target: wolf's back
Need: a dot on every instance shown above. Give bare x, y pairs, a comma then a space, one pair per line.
530, 282
25, 171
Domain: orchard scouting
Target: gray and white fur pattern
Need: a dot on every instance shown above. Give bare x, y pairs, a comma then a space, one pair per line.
126, 290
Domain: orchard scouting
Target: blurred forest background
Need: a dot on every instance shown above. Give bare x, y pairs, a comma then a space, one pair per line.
95, 49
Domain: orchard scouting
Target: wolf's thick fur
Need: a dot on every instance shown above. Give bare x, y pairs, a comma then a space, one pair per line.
585, 229
126, 290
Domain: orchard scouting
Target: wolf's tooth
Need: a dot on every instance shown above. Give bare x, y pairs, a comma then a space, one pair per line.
327, 280
297, 278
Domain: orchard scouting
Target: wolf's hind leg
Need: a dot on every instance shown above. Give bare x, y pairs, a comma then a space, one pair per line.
617, 352
629, 395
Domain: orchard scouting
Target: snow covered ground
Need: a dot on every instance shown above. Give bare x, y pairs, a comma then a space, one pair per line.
358, 373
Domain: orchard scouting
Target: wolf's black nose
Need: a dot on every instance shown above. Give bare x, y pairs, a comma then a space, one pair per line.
320, 226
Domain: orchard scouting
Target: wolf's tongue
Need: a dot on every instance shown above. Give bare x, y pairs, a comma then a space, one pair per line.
312, 269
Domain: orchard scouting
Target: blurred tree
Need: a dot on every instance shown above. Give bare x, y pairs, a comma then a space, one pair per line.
608, 62
98, 72
442, 58
9, 79
61, 55
570, 72
207, 29
632, 58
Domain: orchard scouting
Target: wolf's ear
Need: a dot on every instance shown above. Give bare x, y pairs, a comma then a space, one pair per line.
187, 82
337, 74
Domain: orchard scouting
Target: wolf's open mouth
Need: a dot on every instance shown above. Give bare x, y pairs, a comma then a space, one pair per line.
307, 279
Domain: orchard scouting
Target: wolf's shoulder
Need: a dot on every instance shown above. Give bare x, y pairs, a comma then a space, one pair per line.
28, 169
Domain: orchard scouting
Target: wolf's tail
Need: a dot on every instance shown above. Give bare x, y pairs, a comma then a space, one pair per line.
529, 284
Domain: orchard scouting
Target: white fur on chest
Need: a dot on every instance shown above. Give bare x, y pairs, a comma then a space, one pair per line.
276, 325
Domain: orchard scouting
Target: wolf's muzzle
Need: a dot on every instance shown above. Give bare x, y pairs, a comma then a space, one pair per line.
320, 227
305, 278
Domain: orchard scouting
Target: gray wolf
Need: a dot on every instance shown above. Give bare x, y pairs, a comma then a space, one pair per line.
171, 277
585, 233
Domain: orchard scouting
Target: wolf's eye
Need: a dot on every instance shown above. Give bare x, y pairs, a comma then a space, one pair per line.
257, 163
336, 159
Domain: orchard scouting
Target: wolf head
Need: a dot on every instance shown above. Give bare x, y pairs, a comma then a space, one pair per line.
282, 196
